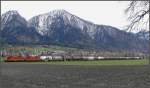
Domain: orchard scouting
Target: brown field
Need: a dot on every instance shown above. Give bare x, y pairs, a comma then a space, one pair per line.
22, 75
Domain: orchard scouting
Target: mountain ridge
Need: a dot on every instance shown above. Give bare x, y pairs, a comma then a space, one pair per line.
63, 28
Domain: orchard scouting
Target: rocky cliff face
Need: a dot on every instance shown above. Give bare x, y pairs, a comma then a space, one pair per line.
63, 28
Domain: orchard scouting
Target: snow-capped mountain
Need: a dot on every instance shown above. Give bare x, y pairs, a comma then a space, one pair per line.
14, 28
63, 28
44, 22
14, 16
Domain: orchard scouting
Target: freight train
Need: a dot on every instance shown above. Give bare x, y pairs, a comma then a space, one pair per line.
62, 58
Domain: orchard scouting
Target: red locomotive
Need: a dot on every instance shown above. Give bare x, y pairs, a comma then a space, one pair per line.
20, 58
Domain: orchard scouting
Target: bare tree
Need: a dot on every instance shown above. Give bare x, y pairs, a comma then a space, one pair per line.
138, 15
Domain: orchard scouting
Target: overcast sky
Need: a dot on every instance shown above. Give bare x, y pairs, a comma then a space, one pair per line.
99, 12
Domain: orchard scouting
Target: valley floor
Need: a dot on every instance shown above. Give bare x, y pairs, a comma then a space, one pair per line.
22, 75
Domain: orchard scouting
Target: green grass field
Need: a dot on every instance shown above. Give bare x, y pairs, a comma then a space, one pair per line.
1, 59
100, 62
